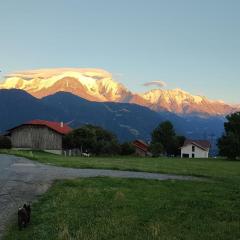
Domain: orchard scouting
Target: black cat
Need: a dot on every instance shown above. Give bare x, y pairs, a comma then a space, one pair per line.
24, 215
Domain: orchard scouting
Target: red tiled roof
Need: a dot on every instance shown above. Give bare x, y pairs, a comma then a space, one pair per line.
141, 144
57, 126
199, 143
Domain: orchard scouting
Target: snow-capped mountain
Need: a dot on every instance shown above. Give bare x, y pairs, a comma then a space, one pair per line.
181, 102
92, 84
99, 85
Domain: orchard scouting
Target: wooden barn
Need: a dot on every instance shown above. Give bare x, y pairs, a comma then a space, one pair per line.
39, 135
141, 148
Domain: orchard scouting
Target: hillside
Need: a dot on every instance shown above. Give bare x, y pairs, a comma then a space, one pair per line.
127, 121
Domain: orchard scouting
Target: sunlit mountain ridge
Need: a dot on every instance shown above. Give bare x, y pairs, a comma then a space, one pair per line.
99, 85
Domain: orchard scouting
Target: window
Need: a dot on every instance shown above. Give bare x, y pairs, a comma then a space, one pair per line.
193, 148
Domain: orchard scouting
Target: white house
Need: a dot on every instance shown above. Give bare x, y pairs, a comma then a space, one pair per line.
195, 149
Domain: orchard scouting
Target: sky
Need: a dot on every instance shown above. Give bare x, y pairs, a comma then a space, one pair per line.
189, 44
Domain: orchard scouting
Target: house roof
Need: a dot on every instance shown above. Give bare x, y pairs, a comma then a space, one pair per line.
141, 144
204, 144
56, 126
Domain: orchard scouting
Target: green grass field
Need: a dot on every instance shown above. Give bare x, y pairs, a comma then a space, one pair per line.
111, 208
105, 208
195, 167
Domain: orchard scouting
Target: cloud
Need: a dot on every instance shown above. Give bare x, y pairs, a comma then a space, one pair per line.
157, 83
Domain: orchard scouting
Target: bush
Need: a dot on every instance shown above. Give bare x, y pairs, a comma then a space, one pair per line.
92, 139
127, 149
5, 142
156, 149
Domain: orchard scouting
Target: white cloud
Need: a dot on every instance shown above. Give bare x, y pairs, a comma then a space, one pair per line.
157, 83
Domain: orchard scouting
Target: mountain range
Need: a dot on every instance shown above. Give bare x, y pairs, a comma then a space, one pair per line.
127, 121
80, 96
98, 85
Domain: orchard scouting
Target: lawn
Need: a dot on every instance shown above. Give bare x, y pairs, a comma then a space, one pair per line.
112, 208
107, 208
195, 167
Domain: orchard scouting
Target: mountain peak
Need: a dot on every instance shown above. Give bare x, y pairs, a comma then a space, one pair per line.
93, 84
98, 85
177, 95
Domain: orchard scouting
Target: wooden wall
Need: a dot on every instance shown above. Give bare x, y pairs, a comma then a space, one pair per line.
140, 152
36, 137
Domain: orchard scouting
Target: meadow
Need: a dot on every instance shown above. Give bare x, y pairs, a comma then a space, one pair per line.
212, 167
113, 208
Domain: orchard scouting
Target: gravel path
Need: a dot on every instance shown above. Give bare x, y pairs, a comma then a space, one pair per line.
23, 180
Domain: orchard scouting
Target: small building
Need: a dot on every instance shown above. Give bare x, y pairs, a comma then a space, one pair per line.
195, 149
141, 148
39, 135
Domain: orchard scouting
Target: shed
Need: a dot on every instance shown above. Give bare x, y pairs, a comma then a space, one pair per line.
39, 135
141, 148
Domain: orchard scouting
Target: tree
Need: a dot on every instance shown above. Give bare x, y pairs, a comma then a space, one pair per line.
229, 143
233, 124
164, 131
93, 139
156, 149
5, 142
179, 143
165, 135
82, 138
127, 148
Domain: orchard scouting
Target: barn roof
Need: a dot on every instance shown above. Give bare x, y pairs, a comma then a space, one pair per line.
56, 126
204, 144
141, 144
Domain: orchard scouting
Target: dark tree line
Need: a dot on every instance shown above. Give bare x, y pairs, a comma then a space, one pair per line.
96, 140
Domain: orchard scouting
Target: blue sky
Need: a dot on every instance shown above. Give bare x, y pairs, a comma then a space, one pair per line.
189, 44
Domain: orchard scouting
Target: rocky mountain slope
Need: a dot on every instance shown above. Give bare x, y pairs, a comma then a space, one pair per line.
98, 85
